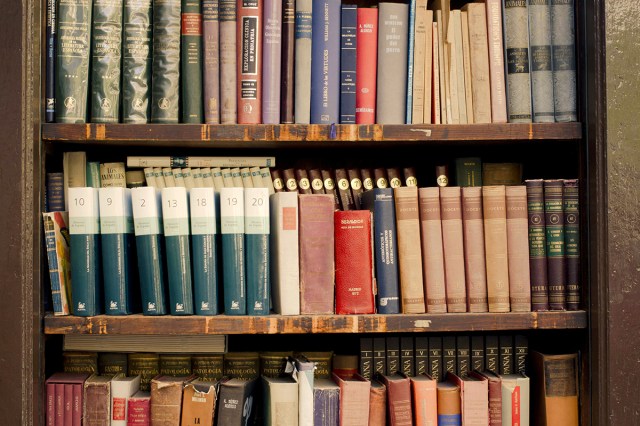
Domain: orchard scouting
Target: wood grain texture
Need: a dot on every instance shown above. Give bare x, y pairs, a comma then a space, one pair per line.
304, 324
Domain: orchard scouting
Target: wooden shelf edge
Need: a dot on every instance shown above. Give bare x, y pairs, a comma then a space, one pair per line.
314, 324
208, 135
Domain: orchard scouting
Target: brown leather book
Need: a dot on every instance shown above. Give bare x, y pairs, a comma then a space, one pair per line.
315, 177
495, 242
501, 174
96, 408
380, 176
367, 179
302, 179
410, 176
398, 399
495, 395
356, 186
166, 399
556, 382
449, 404
474, 258
442, 175
289, 180
330, 187
395, 177
452, 239
432, 250
409, 251
377, 404
276, 177
355, 393
344, 190
518, 248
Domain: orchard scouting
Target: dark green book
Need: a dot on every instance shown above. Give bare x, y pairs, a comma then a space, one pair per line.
146, 365
112, 363
256, 242
136, 61
233, 258
165, 80
80, 362
72, 60
203, 243
208, 366
106, 58
191, 61
468, 171
242, 365
571, 200
175, 364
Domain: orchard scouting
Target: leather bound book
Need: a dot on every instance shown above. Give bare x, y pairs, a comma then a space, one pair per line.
469, 169
273, 364
556, 384
541, 65
356, 186
239, 408
449, 355
302, 58
495, 240
278, 182
495, 395
345, 365
272, 61
317, 185
175, 364
393, 354
477, 353
505, 357
165, 79
425, 400
354, 262
96, 401
395, 177
366, 357
516, 44
432, 250
380, 176
207, 367
571, 200
289, 180
80, 362
147, 365
287, 65
409, 174
554, 227
442, 175
518, 249
463, 355
354, 400
138, 409
449, 404
191, 62
453, 243
521, 352
112, 363
242, 365
501, 174
344, 190
330, 187
409, 252
496, 61
377, 404
537, 245
348, 59
228, 61
399, 410
249, 35
474, 392
379, 355
367, 179
316, 254
302, 179
366, 65
491, 353
434, 368
407, 356
564, 60
474, 256
211, 64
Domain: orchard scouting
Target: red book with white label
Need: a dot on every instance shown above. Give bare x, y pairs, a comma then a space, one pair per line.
366, 65
354, 262
249, 45
138, 409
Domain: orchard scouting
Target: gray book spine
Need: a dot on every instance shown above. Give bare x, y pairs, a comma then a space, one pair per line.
516, 46
271, 61
211, 75
302, 102
541, 69
228, 77
393, 33
564, 60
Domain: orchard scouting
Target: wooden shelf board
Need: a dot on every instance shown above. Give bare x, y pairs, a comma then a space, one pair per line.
203, 135
304, 324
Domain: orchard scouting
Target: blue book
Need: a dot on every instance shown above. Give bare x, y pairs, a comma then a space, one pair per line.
411, 48
118, 250
326, 402
50, 82
348, 43
175, 214
203, 242
380, 201
325, 62
84, 230
57, 244
147, 221
233, 261
256, 230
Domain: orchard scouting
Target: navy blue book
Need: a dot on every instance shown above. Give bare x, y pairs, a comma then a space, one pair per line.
232, 247
205, 258
348, 43
380, 202
325, 62
326, 402
50, 82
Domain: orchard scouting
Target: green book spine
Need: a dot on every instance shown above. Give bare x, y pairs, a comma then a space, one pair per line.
72, 61
256, 228
242, 365
93, 174
203, 243
537, 245
175, 365
469, 171
207, 367
136, 61
106, 43
112, 363
554, 226
165, 80
233, 256
572, 242
146, 365
191, 61
80, 362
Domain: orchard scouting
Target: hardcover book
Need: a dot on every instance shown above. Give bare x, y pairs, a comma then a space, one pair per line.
379, 356
474, 255
112, 363
366, 357
354, 400
491, 352
287, 67
211, 62
518, 249
122, 388
453, 243
326, 403
554, 229
304, 376
204, 240
280, 401
495, 395
138, 409
348, 61
421, 355
449, 355
468, 94
165, 80
477, 353
191, 62
496, 61
432, 249
449, 404
515, 399
541, 61
407, 357
207, 367
236, 398
175, 364
228, 62
147, 365
516, 44
302, 67
344, 190
556, 385
425, 400
80, 362
166, 399
392, 344
198, 403
51, 30
366, 65
232, 227
474, 392
418, 63
495, 237
377, 404
506, 357
96, 400
521, 353
399, 410
249, 63
571, 210
411, 25
272, 61
55, 192
256, 235
469, 169
479, 55
58, 258
563, 53
537, 245
242, 365
463, 355
273, 364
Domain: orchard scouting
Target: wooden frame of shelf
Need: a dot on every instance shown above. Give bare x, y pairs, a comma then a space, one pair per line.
305, 324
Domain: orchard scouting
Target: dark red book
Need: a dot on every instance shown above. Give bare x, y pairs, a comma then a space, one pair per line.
366, 65
354, 262
398, 399
65, 400
249, 45
287, 67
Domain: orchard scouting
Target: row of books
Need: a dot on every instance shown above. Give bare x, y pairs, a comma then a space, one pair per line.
481, 397
299, 61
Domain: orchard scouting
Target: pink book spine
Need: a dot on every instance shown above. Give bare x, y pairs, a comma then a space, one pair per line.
474, 249
59, 404
452, 238
77, 405
138, 411
432, 251
518, 249
51, 404
68, 404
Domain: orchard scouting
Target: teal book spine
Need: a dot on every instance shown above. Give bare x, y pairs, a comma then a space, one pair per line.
233, 260
93, 174
84, 230
147, 220
175, 213
256, 230
203, 242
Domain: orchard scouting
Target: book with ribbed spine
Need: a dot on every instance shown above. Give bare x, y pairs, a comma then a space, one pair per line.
211, 62
112, 363
232, 229
272, 61
191, 61
205, 253
516, 45
228, 62
563, 50
147, 365
165, 80
541, 64
518, 248
453, 244
58, 257
287, 66
84, 230
474, 255
348, 60
554, 230
249, 47
366, 65
55, 192
496, 249
325, 63
571, 207
96, 403
50, 77
432, 249
256, 235
537, 245
175, 212
303, 39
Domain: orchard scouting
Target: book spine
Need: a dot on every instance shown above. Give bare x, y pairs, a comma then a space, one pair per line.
317, 186
516, 45
165, 79
453, 244
379, 356
228, 61
287, 67
518, 249
541, 65
554, 232
407, 356
474, 258
233, 256
330, 187
468, 94
496, 61
138, 412
418, 64
302, 180
203, 240
537, 245
491, 354
521, 346
366, 65
463, 355
431, 99
54, 265
366, 357
256, 230
496, 251
77, 405
432, 250
449, 355
570, 194
564, 60
391, 100
348, 61
410, 51
59, 410
272, 62
55, 192
211, 64
480, 74
72, 59
344, 190
325, 63
495, 402
506, 358
355, 184
50, 77
302, 102
249, 63
191, 61
477, 353
421, 355
50, 413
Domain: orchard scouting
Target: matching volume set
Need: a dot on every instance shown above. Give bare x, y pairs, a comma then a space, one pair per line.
304, 61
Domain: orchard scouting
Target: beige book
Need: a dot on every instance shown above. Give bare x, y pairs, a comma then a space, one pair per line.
256, 178
187, 176
198, 178
474, 257
496, 61
518, 248
495, 244
515, 400
468, 94
157, 172
245, 175
428, 68
112, 175
445, 100
178, 177
479, 60
437, 98
207, 178
227, 180
452, 241
453, 97
74, 166
236, 177
149, 177
419, 54
432, 251
455, 27
167, 175
166, 400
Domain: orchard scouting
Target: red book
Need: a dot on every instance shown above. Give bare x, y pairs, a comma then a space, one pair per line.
138, 409
59, 404
249, 44
399, 412
51, 404
354, 262
68, 404
366, 65
64, 401
77, 405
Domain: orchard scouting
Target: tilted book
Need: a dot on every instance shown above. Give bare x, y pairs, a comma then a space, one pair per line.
474, 256
571, 207
55, 192
366, 65
58, 259
432, 249
541, 61
249, 32
165, 79
233, 250
453, 243
211, 63
398, 399
191, 62
348, 61
228, 62
354, 400
326, 403
537, 245
563, 51
256, 236
272, 61
302, 67
203, 209
122, 388
287, 67
280, 401
516, 45
518, 248
496, 61
554, 228
495, 240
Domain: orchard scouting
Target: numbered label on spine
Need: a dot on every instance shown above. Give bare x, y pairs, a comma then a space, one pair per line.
203, 211
147, 211
175, 211
84, 211
232, 210
257, 211
115, 209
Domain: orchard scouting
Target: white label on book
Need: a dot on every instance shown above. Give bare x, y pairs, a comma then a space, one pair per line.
115, 209
84, 211
147, 213
256, 202
203, 211
175, 211
232, 210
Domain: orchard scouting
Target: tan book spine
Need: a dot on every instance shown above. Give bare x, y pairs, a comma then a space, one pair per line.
445, 101
449, 403
466, 50
458, 50
518, 248
479, 61
437, 98
452, 239
474, 256
432, 251
419, 53
451, 68
428, 68
556, 384
495, 242
496, 61
409, 252
166, 400
377, 404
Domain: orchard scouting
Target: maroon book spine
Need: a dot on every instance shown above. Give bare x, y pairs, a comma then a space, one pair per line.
287, 68
138, 411
272, 61
77, 405
554, 219
51, 404
571, 197
59, 404
537, 245
68, 404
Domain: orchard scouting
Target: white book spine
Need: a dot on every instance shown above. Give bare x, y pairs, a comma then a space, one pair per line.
84, 211
169, 181
192, 162
198, 180
189, 181
245, 175
236, 177
121, 390
149, 177
147, 211
157, 172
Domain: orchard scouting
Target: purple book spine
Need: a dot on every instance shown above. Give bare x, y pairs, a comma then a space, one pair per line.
210, 24
326, 407
271, 61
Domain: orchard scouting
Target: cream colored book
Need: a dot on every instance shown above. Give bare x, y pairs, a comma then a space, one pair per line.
419, 54
457, 67
445, 100
428, 68
167, 174
437, 94
479, 52
468, 95
157, 172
